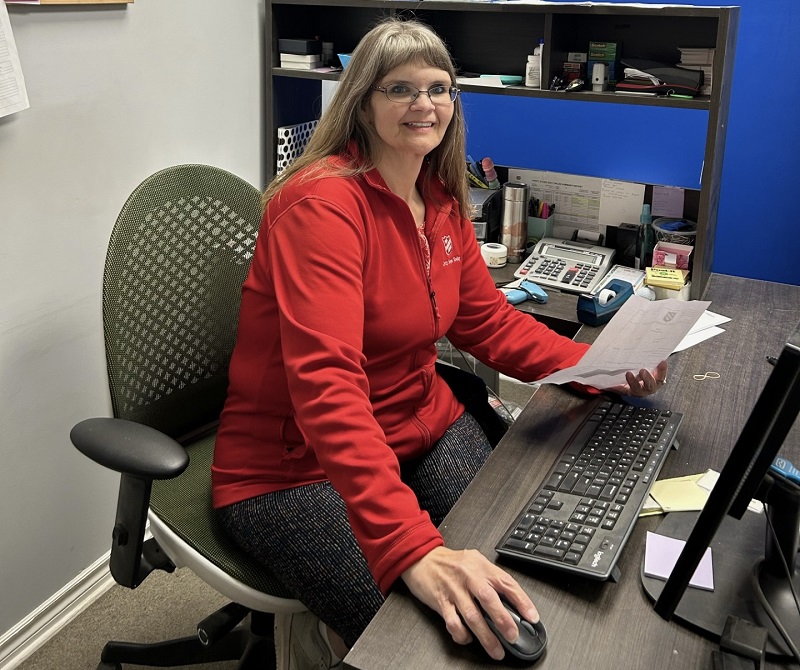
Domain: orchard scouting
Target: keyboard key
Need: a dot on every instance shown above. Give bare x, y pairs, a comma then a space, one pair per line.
519, 544
551, 552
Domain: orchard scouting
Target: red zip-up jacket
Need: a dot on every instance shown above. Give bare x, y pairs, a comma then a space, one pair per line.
333, 378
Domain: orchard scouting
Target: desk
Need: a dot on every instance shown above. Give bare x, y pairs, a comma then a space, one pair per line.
617, 627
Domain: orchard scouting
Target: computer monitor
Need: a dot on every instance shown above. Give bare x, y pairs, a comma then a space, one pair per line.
750, 577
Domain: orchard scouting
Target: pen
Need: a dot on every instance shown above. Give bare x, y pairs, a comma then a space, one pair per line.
475, 181
772, 360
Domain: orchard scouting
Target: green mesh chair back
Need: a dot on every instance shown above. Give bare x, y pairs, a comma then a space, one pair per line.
177, 258
178, 254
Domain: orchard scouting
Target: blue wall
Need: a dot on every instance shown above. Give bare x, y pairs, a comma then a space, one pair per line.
761, 170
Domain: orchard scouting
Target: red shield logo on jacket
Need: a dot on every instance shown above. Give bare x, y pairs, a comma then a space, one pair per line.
448, 244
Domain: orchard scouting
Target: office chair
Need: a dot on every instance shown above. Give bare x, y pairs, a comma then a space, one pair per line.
178, 254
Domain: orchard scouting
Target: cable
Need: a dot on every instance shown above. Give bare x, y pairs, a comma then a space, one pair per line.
783, 561
763, 599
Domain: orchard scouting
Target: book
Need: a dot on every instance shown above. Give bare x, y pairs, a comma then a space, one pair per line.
294, 65
669, 278
299, 58
699, 58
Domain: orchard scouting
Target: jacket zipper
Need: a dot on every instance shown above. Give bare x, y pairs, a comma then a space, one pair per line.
431, 293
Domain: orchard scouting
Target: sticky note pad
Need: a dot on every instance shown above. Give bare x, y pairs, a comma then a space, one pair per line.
661, 553
680, 494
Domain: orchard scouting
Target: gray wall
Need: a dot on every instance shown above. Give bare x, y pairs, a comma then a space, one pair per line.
116, 93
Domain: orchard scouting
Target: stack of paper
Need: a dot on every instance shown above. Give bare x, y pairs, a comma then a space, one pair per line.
661, 553
685, 494
708, 325
699, 59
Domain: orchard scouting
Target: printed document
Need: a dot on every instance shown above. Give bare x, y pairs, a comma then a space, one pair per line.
13, 96
641, 334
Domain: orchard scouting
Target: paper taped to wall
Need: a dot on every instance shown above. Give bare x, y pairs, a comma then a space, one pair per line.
13, 95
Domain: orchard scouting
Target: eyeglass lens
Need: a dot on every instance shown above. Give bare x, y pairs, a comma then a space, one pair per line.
404, 93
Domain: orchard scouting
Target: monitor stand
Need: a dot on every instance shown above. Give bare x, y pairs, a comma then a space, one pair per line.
738, 546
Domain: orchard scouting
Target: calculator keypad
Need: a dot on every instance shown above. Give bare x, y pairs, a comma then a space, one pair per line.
556, 271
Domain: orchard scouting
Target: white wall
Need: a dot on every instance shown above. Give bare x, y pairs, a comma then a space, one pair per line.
116, 93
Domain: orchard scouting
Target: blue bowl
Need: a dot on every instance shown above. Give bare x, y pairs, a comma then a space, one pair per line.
344, 59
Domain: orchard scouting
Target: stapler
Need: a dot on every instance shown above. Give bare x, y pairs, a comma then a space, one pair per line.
595, 309
527, 290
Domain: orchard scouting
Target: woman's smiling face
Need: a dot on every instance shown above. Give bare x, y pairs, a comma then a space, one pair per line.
410, 129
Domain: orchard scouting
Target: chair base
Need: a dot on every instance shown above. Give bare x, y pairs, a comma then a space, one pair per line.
254, 647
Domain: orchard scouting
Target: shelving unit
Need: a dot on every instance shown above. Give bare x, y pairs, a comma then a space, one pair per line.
496, 37
85, 2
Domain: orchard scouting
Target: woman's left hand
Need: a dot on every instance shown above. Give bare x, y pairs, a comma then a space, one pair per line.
645, 383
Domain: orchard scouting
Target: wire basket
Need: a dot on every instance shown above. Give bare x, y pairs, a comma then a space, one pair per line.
676, 231
291, 142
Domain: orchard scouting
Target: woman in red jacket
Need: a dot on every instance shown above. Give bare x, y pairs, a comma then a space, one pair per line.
340, 449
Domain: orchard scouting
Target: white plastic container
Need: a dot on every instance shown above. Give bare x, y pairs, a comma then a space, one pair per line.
533, 71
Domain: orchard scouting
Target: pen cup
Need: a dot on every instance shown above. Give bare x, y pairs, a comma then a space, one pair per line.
539, 228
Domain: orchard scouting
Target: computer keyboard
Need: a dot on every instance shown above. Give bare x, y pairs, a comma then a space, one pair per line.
580, 518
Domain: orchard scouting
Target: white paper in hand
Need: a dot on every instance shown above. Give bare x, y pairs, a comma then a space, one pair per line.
641, 335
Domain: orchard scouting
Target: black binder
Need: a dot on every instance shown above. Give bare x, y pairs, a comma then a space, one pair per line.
653, 77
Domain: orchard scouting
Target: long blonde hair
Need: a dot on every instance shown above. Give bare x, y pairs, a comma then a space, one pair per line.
390, 44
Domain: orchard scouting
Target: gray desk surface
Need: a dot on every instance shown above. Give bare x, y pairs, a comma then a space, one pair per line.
615, 623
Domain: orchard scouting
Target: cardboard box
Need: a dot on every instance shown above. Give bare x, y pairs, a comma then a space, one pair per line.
671, 255
605, 50
299, 46
574, 71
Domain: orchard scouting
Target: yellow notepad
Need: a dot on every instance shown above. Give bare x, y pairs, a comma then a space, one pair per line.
680, 494
670, 278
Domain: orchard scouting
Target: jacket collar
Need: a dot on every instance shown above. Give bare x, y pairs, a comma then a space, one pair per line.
375, 180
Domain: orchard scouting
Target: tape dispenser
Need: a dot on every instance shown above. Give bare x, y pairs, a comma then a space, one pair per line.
595, 309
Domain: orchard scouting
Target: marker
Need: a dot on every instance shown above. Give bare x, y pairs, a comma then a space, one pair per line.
772, 360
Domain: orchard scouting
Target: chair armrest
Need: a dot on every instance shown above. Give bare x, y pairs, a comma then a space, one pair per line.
130, 448
141, 454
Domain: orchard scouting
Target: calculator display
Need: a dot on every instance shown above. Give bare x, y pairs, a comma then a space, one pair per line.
572, 255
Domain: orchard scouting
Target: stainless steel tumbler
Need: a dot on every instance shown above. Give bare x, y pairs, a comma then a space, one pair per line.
514, 232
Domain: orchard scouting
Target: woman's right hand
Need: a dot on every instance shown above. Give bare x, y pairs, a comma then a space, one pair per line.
450, 582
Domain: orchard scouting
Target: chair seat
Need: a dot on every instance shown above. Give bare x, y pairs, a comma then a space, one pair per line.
186, 527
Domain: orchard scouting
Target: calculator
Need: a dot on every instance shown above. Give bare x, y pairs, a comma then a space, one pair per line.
567, 265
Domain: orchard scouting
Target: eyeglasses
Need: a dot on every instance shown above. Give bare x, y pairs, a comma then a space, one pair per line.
439, 95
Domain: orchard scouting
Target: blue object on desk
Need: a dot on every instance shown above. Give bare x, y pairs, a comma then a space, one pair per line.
527, 290
597, 309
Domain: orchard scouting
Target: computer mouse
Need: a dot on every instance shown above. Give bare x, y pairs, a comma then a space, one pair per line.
532, 636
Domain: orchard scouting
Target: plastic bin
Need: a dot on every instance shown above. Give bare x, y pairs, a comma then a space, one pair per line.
676, 231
